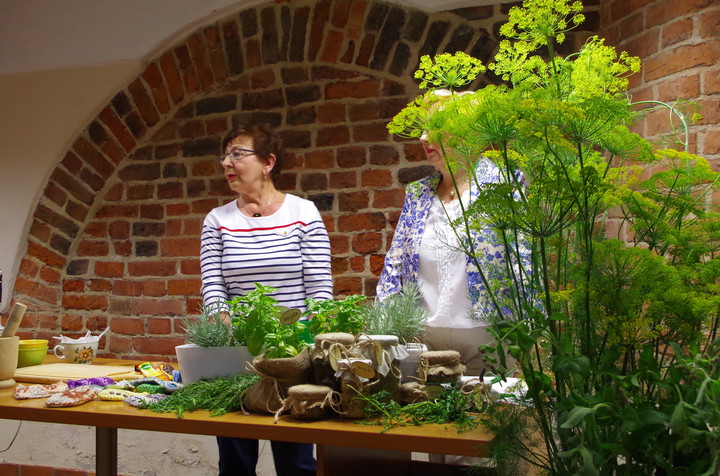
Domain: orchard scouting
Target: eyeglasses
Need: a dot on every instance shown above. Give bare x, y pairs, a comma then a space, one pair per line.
237, 153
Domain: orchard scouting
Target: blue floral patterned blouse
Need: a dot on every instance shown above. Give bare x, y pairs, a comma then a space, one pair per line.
402, 260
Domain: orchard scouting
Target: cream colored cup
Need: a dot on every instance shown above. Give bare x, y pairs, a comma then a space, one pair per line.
77, 353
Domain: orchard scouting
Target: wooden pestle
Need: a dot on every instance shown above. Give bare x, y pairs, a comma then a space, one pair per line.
13, 322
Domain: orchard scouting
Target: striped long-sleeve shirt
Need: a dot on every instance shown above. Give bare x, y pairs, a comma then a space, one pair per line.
288, 250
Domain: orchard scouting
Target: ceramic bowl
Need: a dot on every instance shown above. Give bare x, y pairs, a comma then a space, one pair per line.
27, 357
33, 343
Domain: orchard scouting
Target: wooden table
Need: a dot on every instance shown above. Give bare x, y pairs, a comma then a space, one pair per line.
107, 417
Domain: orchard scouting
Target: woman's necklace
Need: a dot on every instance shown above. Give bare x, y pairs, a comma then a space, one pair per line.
260, 213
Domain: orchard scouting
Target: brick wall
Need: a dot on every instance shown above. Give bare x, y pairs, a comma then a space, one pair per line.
679, 42
115, 237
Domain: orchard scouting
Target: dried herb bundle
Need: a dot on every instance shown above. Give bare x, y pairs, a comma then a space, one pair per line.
219, 396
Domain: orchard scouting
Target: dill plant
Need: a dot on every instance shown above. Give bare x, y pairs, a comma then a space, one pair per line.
616, 336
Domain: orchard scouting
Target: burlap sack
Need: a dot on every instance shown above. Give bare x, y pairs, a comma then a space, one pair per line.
440, 366
309, 402
412, 392
276, 377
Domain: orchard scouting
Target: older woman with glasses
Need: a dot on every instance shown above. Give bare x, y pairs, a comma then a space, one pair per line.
272, 238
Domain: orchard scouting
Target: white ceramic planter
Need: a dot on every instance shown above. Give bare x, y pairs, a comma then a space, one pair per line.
207, 362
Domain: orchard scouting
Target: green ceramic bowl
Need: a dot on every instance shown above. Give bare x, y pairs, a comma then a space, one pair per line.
27, 357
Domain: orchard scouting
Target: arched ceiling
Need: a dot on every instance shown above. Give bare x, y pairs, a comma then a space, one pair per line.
38, 35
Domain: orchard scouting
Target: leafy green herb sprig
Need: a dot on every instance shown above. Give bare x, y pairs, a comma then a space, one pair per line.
451, 406
219, 396
341, 315
256, 319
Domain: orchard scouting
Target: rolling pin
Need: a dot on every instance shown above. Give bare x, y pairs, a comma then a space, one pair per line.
16, 315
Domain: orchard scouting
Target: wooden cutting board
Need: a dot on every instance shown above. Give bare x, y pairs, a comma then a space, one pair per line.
49, 373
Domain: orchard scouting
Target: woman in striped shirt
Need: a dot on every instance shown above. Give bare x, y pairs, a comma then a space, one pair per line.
272, 238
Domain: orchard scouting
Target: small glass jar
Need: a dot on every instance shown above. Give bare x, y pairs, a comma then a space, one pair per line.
341, 344
310, 402
385, 353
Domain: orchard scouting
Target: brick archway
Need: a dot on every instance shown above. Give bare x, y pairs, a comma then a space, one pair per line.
114, 238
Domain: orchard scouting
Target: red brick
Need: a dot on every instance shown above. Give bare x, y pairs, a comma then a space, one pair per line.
127, 326
353, 201
708, 23
361, 222
119, 344
339, 244
190, 266
159, 326
199, 55
389, 199
342, 180
376, 178
711, 81
667, 10
99, 285
331, 50
85, 302
43, 254
73, 285
152, 268
184, 287
154, 288
124, 287
679, 87
180, 247
144, 103
710, 110
623, 8
347, 286
368, 88
366, 243
117, 128
676, 32
93, 248
376, 264
320, 159
36, 290
157, 345
643, 45
356, 18
682, 58
357, 264
331, 113
158, 307
711, 143
172, 77
262, 79
50, 275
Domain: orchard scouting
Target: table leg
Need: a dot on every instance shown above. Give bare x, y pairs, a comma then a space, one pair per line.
105, 451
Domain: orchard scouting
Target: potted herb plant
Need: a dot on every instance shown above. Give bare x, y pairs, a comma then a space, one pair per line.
400, 315
212, 349
614, 334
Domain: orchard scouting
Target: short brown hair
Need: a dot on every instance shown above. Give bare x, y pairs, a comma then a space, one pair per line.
265, 140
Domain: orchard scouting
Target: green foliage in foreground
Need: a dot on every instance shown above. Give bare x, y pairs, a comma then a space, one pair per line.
609, 299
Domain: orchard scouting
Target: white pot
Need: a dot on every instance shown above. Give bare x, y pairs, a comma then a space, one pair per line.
207, 362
